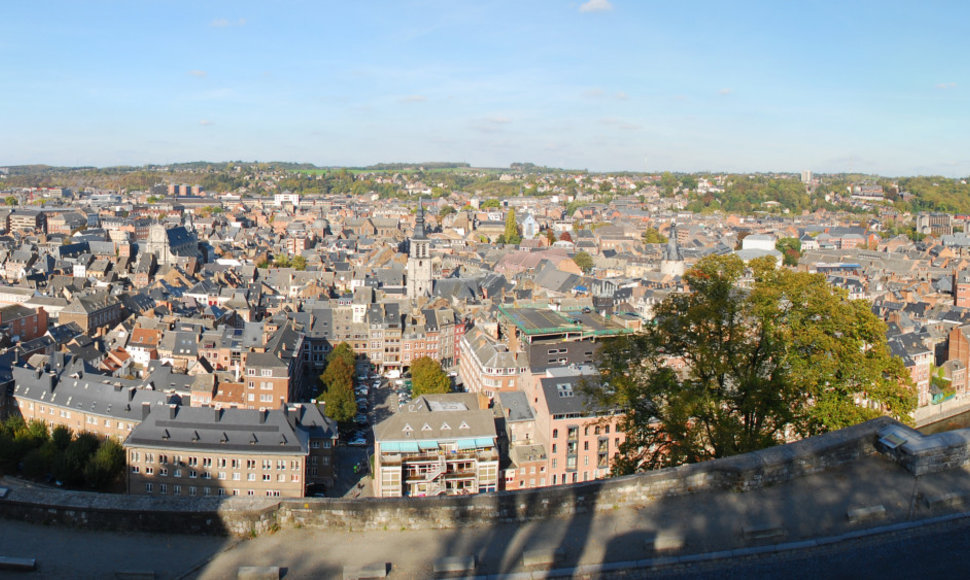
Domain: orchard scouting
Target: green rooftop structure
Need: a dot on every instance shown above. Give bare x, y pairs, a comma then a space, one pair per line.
535, 324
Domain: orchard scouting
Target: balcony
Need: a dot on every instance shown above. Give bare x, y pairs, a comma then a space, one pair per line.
413, 458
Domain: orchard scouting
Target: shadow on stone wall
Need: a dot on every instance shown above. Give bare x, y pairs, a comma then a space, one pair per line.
243, 516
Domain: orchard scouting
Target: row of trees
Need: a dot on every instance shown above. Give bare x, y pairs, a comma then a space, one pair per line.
768, 355
340, 402
81, 460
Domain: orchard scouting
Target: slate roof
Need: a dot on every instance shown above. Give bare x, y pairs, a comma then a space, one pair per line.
438, 417
238, 430
563, 391
74, 388
516, 405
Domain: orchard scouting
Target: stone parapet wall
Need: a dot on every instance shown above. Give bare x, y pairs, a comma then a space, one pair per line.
244, 516
922, 454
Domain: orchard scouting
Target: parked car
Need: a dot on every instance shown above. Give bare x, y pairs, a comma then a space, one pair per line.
358, 441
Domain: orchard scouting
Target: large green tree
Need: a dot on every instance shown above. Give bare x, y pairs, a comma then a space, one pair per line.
428, 377
729, 368
338, 398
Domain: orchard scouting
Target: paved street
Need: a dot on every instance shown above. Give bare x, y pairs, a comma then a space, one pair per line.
381, 403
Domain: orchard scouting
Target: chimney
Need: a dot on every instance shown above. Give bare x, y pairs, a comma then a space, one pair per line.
262, 416
172, 411
146, 408
131, 394
217, 414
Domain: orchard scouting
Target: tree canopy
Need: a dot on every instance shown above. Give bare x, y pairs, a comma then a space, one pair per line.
491, 203
653, 236
428, 377
791, 250
340, 404
511, 234
785, 356
81, 460
584, 261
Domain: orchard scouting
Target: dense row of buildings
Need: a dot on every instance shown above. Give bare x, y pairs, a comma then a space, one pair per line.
196, 336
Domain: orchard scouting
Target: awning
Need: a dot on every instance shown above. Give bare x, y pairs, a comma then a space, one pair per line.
466, 444
399, 447
428, 444
484, 442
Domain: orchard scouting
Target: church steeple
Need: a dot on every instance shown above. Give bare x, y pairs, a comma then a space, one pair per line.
672, 252
419, 223
419, 281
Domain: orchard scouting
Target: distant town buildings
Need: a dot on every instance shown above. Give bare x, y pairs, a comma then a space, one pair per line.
193, 326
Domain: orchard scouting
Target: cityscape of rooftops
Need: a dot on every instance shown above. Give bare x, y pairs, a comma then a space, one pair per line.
293, 273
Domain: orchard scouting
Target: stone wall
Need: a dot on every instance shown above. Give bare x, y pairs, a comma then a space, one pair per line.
244, 516
921, 454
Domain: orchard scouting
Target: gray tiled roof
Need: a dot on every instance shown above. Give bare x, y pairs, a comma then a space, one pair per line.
438, 417
239, 430
87, 392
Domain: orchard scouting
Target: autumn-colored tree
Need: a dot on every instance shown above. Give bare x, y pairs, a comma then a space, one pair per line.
428, 377
788, 355
338, 398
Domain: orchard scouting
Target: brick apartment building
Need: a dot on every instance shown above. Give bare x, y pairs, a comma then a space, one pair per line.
63, 393
580, 436
191, 451
92, 312
438, 444
486, 365
21, 323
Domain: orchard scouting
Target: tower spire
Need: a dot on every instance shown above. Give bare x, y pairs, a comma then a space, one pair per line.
419, 222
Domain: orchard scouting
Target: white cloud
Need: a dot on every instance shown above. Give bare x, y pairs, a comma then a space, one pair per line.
492, 124
725, 91
199, 74
620, 124
593, 93
413, 99
206, 122
596, 6
226, 23
622, 96
946, 86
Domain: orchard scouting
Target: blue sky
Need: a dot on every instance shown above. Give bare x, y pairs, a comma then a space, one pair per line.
875, 87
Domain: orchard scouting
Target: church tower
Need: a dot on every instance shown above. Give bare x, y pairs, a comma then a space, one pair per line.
419, 259
672, 263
